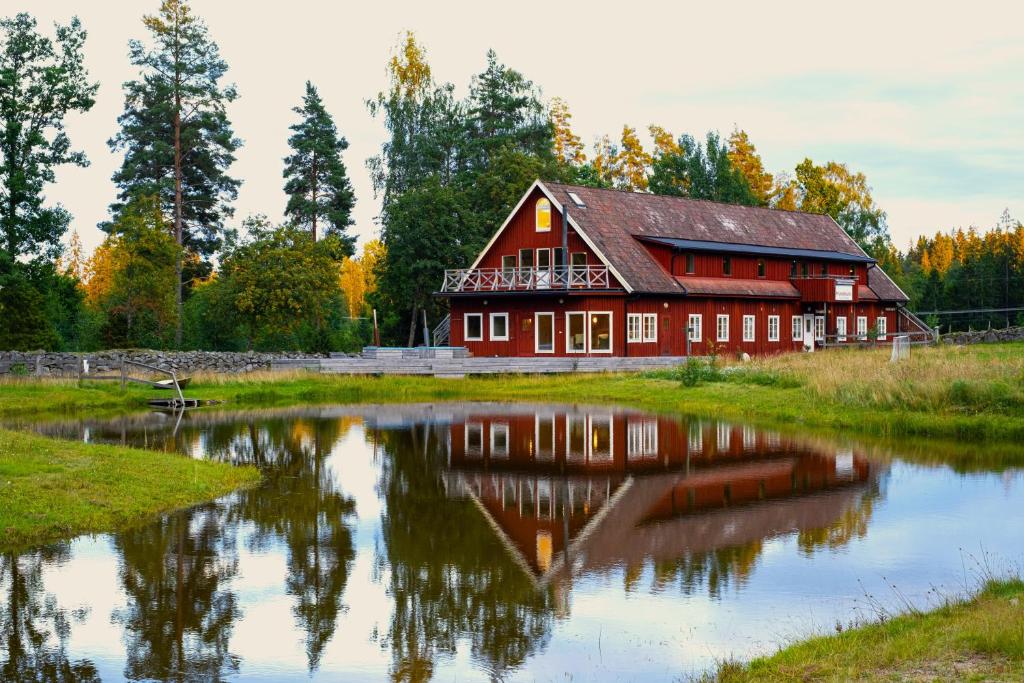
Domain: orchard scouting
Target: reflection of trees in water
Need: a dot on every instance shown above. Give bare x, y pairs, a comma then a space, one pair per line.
450, 577
853, 524
300, 505
717, 569
34, 631
180, 611
177, 572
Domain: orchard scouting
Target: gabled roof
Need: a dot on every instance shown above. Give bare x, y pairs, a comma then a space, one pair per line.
884, 287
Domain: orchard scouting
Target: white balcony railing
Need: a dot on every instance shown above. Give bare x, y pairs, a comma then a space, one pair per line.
525, 279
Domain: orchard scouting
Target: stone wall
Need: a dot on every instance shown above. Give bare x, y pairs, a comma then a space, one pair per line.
981, 336
182, 362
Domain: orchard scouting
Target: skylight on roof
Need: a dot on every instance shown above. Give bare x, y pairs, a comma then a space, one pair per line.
576, 200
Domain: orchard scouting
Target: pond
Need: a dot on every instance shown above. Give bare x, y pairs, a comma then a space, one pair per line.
496, 541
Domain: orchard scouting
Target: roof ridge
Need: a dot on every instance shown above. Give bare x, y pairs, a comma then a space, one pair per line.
681, 199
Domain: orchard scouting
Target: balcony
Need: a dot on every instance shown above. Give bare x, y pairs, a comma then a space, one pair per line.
526, 279
826, 288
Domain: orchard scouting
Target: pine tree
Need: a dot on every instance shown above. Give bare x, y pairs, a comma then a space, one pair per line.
176, 136
701, 172
318, 188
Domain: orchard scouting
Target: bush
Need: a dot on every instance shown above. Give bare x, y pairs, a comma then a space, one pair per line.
695, 372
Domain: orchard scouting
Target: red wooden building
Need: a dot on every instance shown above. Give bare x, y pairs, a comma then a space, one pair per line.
583, 271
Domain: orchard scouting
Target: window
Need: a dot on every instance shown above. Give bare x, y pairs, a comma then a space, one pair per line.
499, 440
724, 434
543, 214
691, 264
579, 258
559, 255
634, 332
499, 326
601, 332
544, 332
694, 325
819, 327
881, 324
722, 333
792, 269
474, 438
576, 200
824, 269
526, 258
841, 328
544, 435
695, 433
473, 326
805, 269
543, 268
798, 327
748, 328
726, 265
576, 332
650, 327
853, 270
749, 438
601, 438
641, 438
575, 437
508, 265
761, 268
773, 328
578, 266
862, 326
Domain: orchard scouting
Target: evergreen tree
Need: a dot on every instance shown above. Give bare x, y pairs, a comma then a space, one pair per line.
318, 188
745, 159
700, 172
176, 136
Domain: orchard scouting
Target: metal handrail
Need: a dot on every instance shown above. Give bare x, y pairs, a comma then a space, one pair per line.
525, 279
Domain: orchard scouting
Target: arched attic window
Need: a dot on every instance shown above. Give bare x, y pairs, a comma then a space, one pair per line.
543, 213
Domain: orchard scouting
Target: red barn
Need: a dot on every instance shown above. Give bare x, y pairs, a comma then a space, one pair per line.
583, 271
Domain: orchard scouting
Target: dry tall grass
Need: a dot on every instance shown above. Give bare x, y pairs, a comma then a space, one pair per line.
968, 379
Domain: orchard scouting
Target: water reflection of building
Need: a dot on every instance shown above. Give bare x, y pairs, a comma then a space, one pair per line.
572, 490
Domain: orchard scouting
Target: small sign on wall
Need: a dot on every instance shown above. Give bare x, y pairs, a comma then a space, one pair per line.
844, 291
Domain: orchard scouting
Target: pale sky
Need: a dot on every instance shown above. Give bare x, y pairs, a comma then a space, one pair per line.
926, 98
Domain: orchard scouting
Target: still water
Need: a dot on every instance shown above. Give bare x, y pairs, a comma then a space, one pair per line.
486, 541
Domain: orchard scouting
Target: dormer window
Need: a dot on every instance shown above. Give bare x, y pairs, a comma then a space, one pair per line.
805, 269
726, 265
691, 265
792, 269
761, 269
543, 213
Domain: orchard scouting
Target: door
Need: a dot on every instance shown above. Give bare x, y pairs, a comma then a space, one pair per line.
808, 331
665, 335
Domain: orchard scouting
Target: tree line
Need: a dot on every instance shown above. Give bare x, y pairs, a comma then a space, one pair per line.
176, 271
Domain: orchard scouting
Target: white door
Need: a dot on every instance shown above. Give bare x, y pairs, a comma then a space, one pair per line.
808, 331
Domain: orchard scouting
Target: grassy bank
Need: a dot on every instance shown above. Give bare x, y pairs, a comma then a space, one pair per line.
972, 393
55, 489
977, 639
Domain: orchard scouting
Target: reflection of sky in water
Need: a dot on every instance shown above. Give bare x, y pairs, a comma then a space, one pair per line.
611, 622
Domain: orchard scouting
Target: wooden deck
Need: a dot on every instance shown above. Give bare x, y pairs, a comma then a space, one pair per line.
460, 367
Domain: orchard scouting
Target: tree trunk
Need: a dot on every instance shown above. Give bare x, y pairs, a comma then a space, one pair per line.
177, 223
412, 327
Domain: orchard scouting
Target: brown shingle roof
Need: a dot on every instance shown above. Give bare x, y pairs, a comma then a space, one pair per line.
611, 217
727, 286
883, 286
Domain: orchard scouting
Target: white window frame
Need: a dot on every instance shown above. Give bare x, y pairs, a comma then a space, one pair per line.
723, 437
719, 337
536, 331
773, 328
591, 454
882, 327
641, 438
819, 328
749, 325
695, 437
611, 332
634, 328
544, 451
862, 327
479, 428
797, 329
841, 331
586, 332
465, 326
570, 454
543, 201
651, 318
695, 327
490, 327
499, 427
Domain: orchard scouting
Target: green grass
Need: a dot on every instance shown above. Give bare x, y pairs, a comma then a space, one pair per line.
977, 639
52, 489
